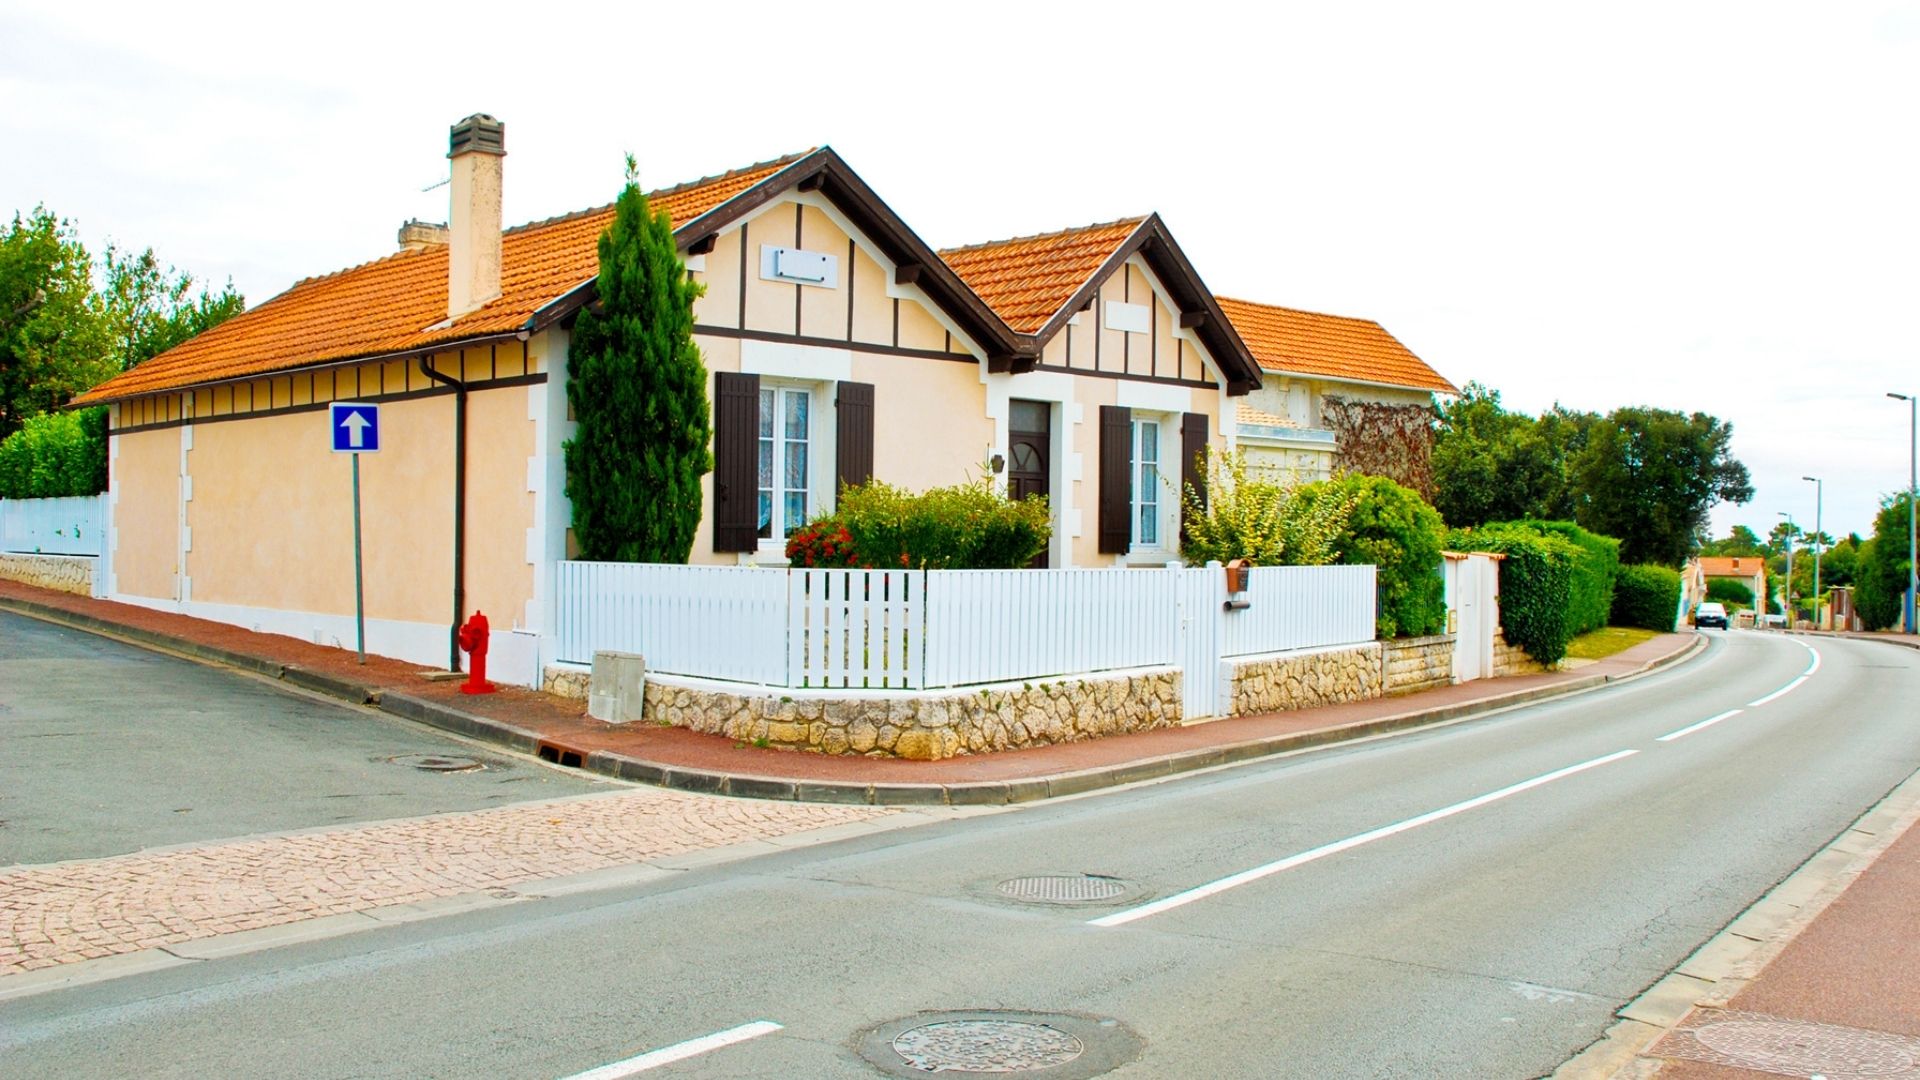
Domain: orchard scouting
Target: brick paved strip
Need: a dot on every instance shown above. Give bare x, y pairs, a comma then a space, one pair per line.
67, 912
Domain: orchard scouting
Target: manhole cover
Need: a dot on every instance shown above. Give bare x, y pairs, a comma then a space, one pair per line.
995, 1042
985, 1046
1798, 1048
1064, 888
437, 762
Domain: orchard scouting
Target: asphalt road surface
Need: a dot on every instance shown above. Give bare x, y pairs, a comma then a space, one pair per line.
1472, 901
112, 749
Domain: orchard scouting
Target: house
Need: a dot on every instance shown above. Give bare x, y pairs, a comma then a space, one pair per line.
1336, 394
1748, 570
1091, 364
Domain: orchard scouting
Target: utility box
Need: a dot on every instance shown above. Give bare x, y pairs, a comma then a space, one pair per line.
617, 690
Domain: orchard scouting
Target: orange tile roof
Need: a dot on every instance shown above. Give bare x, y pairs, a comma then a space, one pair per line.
1247, 414
396, 303
1740, 566
1308, 343
1028, 279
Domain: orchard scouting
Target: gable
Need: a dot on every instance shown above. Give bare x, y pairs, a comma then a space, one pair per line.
1130, 326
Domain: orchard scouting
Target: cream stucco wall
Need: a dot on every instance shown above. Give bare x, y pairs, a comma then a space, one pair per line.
146, 512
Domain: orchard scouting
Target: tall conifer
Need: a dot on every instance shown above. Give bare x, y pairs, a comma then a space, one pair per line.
639, 392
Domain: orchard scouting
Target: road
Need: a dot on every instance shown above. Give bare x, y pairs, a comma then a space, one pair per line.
1475, 900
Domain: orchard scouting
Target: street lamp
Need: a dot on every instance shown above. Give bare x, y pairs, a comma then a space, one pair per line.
1913, 485
1786, 591
1819, 541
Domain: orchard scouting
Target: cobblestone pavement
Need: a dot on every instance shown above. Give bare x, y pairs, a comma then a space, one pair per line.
66, 912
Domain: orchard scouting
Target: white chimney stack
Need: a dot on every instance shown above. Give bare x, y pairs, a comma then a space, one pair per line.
475, 147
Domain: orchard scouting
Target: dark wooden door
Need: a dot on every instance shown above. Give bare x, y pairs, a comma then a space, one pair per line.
1030, 453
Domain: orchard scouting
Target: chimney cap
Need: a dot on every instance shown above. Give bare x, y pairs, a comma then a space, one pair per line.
479, 133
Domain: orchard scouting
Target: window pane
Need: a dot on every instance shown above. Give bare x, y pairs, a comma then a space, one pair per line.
1149, 493
1149, 525
796, 461
1028, 416
766, 463
796, 511
766, 414
1150, 442
766, 515
796, 414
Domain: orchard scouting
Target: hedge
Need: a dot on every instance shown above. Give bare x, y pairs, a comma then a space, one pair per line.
1729, 591
965, 527
1392, 528
1536, 585
1590, 604
1646, 596
55, 456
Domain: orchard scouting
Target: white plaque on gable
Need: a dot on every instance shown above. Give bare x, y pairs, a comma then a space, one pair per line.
800, 266
1132, 318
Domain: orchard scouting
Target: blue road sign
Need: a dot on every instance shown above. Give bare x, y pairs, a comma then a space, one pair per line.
356, 427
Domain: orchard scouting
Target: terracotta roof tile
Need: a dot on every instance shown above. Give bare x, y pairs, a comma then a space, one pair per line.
1028, 279
1247, 414
397, 303
1741, 566
1308, 343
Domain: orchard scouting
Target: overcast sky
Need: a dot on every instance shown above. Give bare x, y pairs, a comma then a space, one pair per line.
1702, 207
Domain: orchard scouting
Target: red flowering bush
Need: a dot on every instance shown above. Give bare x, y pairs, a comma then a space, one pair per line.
822, 543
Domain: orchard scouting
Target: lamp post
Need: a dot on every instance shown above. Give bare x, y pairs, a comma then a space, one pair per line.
1913, 485
1819, 541
1786, 590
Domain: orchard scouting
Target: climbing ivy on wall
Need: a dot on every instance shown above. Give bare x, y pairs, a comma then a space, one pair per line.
1380, 439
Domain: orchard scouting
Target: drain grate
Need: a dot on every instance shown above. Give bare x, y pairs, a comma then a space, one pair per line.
1064, 888
1791, 1047
437, 762
996, 1042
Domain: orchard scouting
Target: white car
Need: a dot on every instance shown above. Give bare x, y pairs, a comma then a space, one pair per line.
1710, 614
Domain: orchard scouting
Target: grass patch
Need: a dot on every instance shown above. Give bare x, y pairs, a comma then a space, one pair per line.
1603, 643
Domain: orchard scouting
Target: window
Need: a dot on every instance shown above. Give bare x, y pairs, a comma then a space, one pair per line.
785, 418
1146, 484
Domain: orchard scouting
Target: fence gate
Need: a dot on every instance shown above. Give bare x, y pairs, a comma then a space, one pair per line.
1476, 610
1201, 592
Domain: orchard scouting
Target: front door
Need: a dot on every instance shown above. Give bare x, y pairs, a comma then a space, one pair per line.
1030, 453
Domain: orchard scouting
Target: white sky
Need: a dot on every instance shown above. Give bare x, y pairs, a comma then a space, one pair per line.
1696, 206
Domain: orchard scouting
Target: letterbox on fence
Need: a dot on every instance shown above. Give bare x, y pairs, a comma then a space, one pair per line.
1239, 573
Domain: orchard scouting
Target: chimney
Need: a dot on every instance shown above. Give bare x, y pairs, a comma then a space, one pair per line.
475, 147
417, 235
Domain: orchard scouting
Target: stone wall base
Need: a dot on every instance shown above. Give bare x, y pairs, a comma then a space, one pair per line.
1416, 664
1512, 659
1302, 680
67, 573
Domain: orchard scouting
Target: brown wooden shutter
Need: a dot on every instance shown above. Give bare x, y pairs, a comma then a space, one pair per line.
853, 401
1116, 478
1193, 447
736, 456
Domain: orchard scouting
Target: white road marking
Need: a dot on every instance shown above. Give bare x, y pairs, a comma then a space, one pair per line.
667, 1055
1201, 892
1691, 728
1812, 666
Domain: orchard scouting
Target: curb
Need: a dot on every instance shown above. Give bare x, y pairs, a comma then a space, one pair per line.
1712, 974
751, 786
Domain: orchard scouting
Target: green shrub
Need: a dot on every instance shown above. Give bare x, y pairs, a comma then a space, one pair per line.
1646, 596
1729, 591
1591, 602
1258, 520
965, 527
55, 456
1536, 585
1392, 528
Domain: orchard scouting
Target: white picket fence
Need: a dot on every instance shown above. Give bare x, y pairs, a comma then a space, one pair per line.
925, 629
53, 526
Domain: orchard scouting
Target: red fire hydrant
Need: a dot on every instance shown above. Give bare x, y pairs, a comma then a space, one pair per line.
473, 639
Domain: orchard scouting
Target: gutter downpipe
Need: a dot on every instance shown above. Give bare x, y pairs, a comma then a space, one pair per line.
459, 504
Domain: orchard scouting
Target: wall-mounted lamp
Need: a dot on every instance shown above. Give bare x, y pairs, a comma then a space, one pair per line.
999, 463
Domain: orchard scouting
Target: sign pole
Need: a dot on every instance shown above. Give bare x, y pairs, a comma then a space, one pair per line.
359, 596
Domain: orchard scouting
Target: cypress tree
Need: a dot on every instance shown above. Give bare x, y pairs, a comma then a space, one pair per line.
639, 393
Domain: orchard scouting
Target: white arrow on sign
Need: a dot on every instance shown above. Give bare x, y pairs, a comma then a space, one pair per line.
356, 425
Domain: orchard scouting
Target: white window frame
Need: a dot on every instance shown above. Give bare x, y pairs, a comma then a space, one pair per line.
775, 544
1166, 505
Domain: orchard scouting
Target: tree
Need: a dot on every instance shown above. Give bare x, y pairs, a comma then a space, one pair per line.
639, 391
150, 309
1649, 476
1880, 580
55, 335
1739, 541
1490, 464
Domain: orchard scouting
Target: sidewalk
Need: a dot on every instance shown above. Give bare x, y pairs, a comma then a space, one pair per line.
560, 731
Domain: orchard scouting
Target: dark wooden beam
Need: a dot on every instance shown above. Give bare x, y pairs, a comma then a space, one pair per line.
907, 273
1024, 364
1001, 363
703, 245
812, 183
1192, 320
